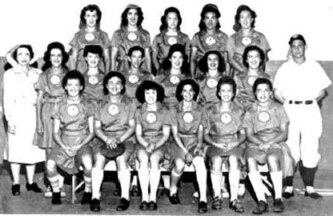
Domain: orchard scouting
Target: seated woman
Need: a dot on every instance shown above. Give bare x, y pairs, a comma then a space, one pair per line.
224, 133
266, 125
114, 125
187, 130
73, 129
152, 133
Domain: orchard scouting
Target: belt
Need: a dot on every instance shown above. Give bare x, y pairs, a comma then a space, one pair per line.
306, 102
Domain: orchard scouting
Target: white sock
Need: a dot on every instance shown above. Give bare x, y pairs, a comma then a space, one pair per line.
277, 183
201, 174
166, 181
54, 182
257, 185
216, 177
154, 179
174, 181
234, 183
143, 174
87, 183
97, 179
124, 177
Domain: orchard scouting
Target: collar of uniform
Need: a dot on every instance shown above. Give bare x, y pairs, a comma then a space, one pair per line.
180, 106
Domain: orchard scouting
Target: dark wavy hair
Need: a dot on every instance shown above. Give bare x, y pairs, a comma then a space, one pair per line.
260, 81
180, 87
237, 26
91, 7
147, 85
73, 74
209, 8
95, 49
47, 55
32, 54
226, 80
109, 76
203, 63
136, 48
164, 24
166, 65
253, 48
124, 21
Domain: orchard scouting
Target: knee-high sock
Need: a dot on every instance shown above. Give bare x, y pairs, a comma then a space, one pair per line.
54, 182
166, 181
216, 177
277, 183
201, 174
134, 180
257, 185
175, 177
143, 174
61, 181
87, 183
154, 179
308, 175
97, 176
124, 177
234, 176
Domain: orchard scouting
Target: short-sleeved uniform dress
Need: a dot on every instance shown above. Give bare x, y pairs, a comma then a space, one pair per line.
208, 88
224, 127
74, 128
94, 86
82, 39
244, 82
123, 40
162, 43
50, 85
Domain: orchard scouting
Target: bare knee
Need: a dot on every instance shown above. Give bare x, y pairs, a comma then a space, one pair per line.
179, 166
51, 167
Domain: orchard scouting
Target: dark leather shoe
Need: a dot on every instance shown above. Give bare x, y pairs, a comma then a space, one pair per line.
123, 205
278, 206
144, 206
135, 192
152, 206
16, 190
95, 205
287, 194
217, 203
56, 198
261, 208
237, 206
33, 187
202, 207
86, 199
313, 195
174, 199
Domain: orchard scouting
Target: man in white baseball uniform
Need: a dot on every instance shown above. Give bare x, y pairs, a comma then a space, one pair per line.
299, 84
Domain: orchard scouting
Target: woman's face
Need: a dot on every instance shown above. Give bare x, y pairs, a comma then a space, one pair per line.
226, 92
210, 20
73, 87
115, 86
177, 60
91, 18
263, 93
253, 59
212, 61
188, 93
92, 60
56, 57
245, 19
150, 96
132, 16
172, 20
23, 56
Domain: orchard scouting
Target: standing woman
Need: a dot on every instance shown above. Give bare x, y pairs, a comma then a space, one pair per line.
187, 131
20, 99
89, 34
169, 35
152, 132
130, 34
225, 134
245, 36
209, 37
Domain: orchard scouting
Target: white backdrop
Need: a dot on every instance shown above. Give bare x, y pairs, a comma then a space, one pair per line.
40, 22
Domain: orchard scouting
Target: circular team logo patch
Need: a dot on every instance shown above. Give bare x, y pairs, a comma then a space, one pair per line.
90, 37
93, 80
172, 40
174, 79
210, 40
151, 117
132, 36
251, 80
73, 110
226, 118
133, 78
264, 116
211, 83
113, 109
188, 117
246, 41
55, 80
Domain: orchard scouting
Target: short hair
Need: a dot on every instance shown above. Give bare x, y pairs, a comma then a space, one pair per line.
164, 24
147, 85
253, 48
237, 26
47, 55
260, 81
136, 48
31, 52
73, 74
226, 80
203, 65
166, 65
209, 8
95, 49
180, 87
91, 7
109, 76
124, 21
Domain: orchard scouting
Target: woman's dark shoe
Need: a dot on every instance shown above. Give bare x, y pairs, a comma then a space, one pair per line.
202, 207
56, 198
313, 195
16, 190
237, 206
144, 206
33, 187
261, 208
174, 199
152, 206
135, 192
95, 205
123, 205
287, 194
217, 203
86, 199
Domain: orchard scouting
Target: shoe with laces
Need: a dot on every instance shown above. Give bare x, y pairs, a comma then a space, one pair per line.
237, 206
33, 187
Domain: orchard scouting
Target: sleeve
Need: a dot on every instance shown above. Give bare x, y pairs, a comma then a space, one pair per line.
322, 79
247, 122
9, 98
115, 39
74, 43
40, 84
264, 44
132, 109
147, 41
171, 117
155, 44
106, 41
282, 115
138, 116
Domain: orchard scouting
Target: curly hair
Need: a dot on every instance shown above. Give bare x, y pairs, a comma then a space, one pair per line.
164, 24
147, 85
91, 7
253, 48
95, 49
180, 87
237, 26
124, 21
109, 76
260, 81
226, 80
203, 63
73, 74
47, 55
